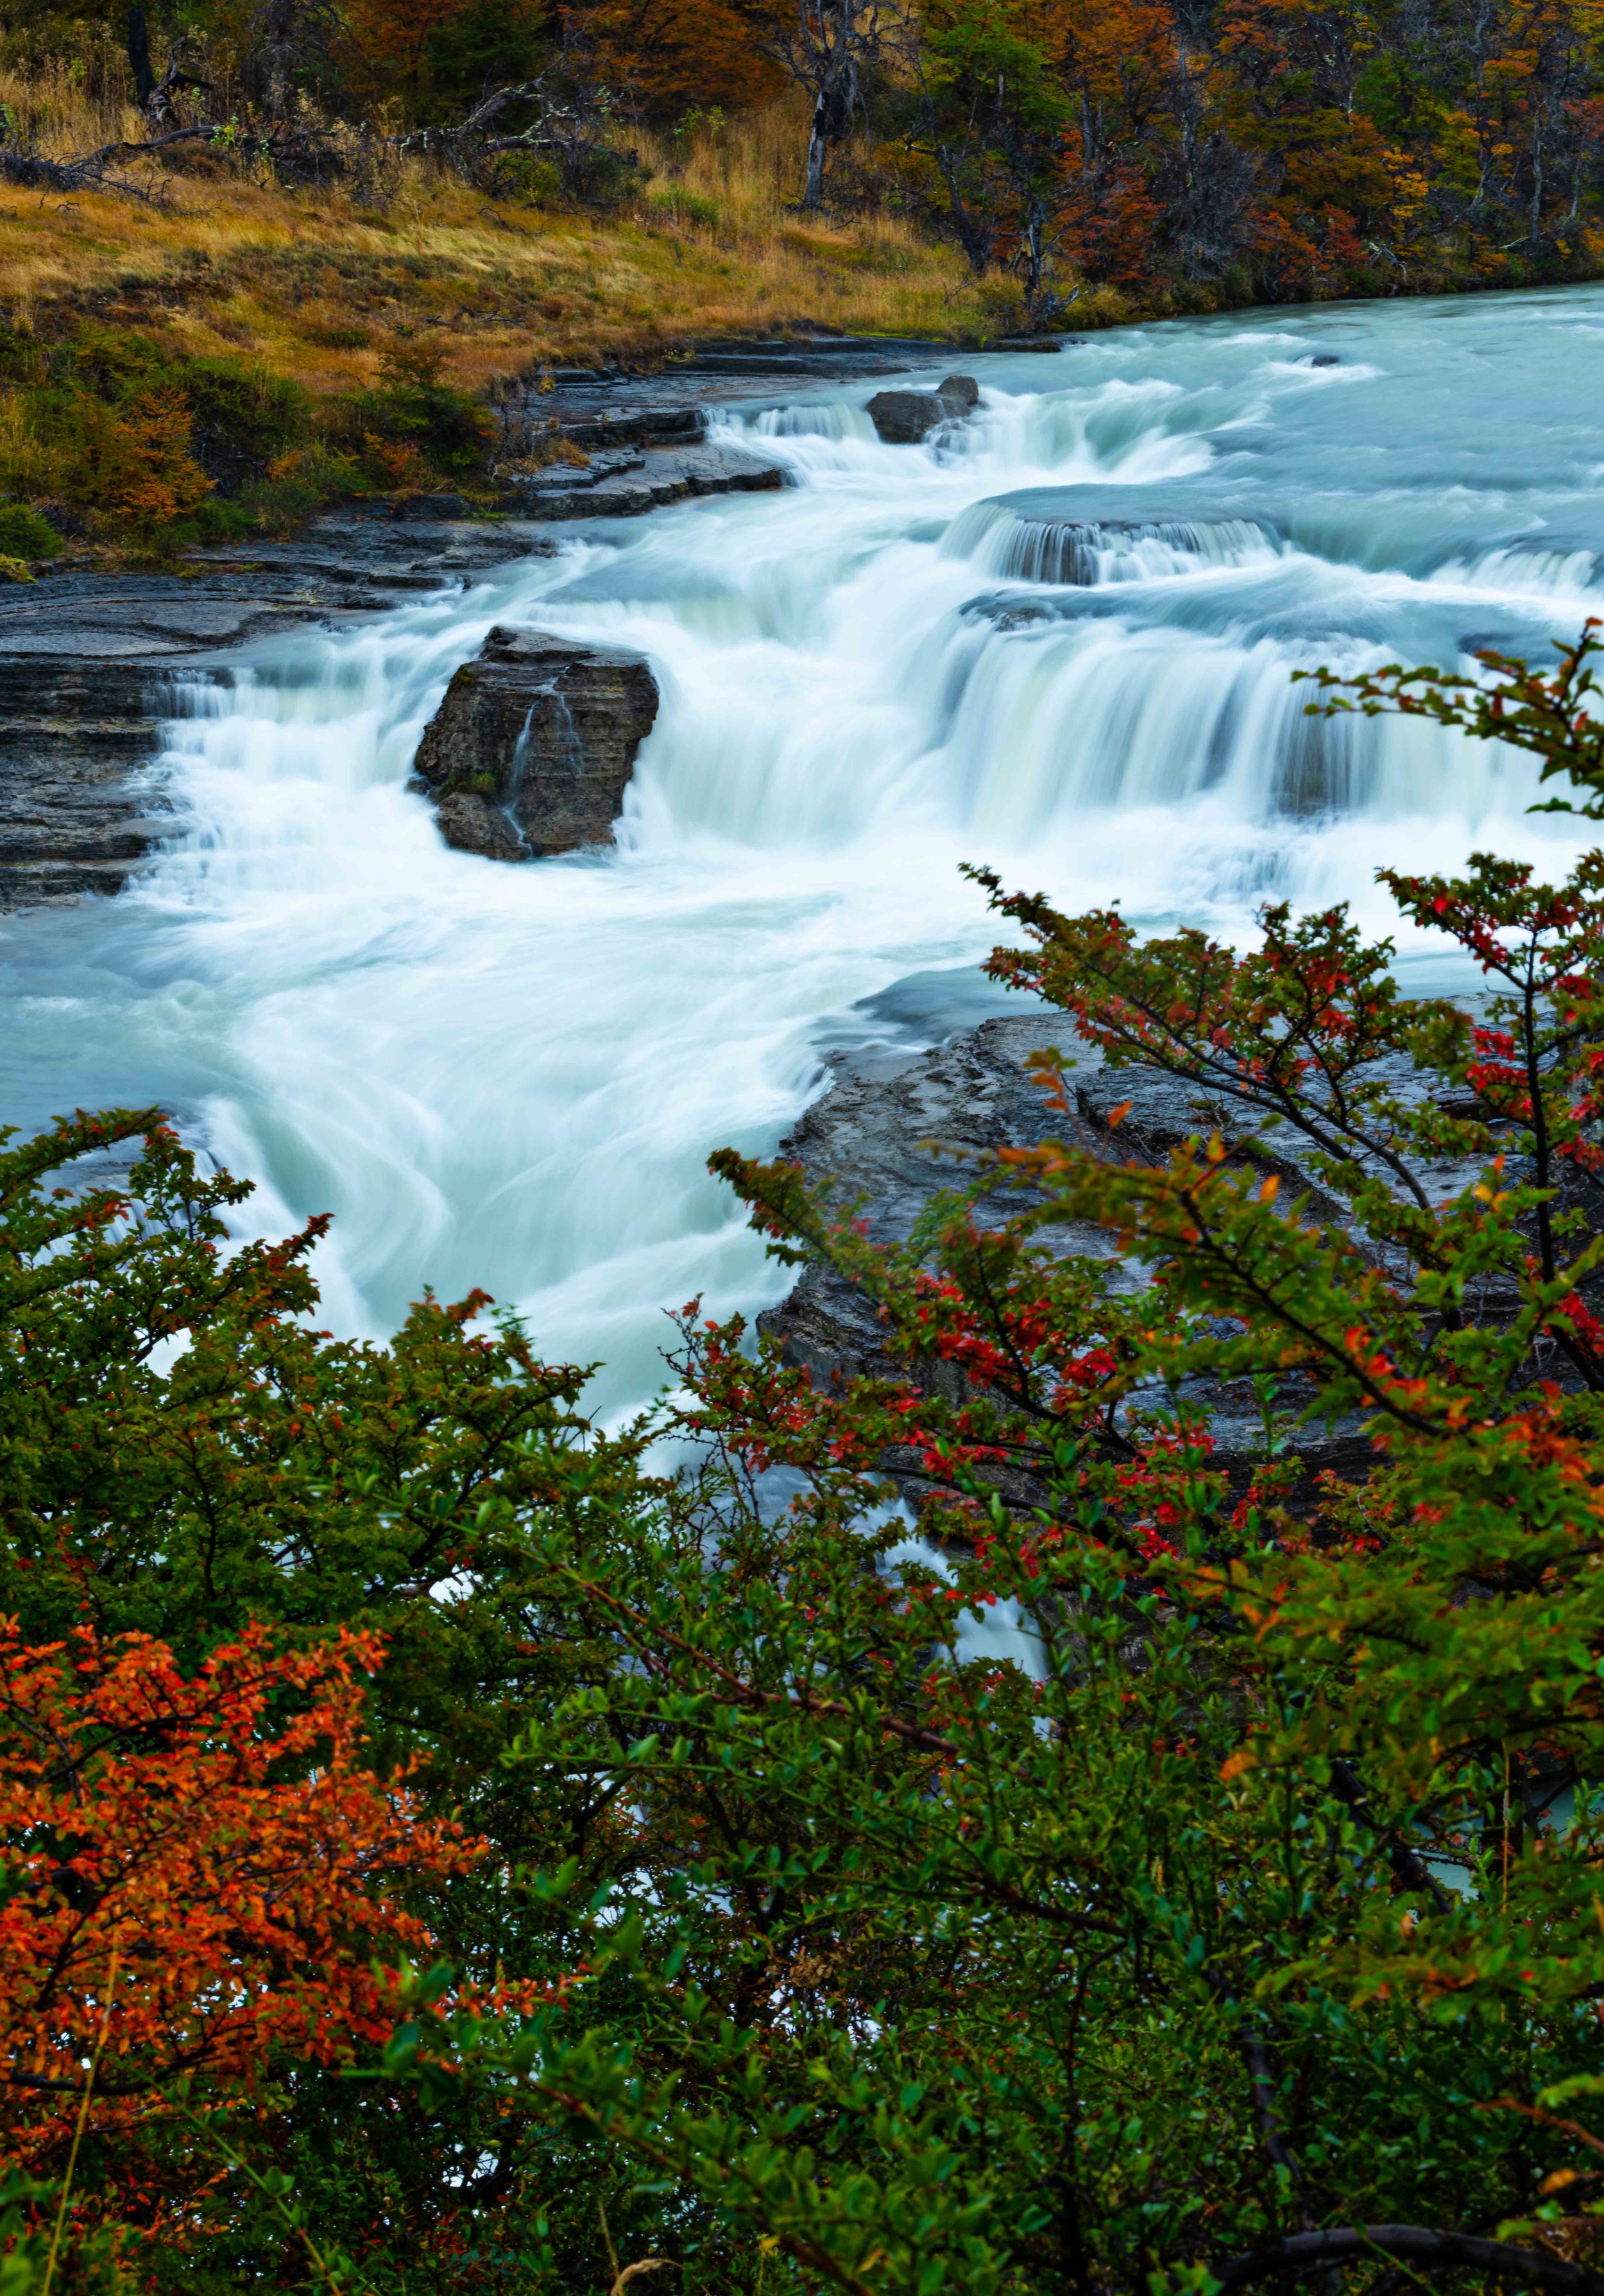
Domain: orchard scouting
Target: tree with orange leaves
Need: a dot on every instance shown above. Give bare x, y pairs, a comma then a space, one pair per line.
200, 1871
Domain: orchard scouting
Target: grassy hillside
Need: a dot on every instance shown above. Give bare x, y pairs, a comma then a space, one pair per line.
314, 283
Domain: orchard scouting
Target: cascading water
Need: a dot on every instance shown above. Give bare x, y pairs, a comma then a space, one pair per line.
1058, 639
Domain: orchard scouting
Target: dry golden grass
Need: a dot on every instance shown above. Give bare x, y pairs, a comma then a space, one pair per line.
314, 284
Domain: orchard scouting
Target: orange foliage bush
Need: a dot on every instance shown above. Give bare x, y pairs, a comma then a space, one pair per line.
398, 465
198, 1871
153, 478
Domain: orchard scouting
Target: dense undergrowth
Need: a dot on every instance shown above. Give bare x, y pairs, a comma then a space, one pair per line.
118, 437
444, 1850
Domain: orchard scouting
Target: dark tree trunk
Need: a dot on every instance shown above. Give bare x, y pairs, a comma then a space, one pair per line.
139, 57
817, 144
836, 41
279, 30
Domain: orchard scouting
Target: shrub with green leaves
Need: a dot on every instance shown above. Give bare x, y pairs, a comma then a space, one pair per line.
975, 1832
244, 415
412, 409
158, 450
27, 533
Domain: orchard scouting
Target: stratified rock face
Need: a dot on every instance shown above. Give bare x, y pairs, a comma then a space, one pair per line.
533, 745
626, 480
903, 417
72, 733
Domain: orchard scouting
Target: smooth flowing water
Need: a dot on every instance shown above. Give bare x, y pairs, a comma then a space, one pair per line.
1058, 639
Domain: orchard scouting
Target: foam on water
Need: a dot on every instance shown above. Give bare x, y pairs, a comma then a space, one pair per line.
1058, 639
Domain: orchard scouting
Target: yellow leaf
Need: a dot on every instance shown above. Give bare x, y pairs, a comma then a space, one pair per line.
1233, 1766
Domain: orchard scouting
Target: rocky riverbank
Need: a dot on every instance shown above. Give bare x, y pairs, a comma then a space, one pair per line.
88, 661
893, 1142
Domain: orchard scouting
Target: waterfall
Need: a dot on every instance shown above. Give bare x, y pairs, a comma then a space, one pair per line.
1086, 535
1059, 639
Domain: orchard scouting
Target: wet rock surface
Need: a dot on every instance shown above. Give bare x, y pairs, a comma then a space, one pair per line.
625, 481
533, 745
895, 1142
73, 731
903, 417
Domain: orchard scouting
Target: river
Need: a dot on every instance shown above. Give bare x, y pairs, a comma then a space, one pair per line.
511, 1077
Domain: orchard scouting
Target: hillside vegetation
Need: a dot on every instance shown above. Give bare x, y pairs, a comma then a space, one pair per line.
323, 229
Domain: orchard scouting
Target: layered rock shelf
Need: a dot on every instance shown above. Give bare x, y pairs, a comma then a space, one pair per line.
531, 750
626, 480
71, 734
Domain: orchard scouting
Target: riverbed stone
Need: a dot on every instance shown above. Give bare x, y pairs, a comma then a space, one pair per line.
903, 417
962, 389
532, 747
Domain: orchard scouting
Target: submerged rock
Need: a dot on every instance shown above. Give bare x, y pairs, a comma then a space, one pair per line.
903, 417
1082, 537
532, 747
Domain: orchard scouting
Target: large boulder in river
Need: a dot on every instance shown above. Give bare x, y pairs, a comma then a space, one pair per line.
532, 747
903, 417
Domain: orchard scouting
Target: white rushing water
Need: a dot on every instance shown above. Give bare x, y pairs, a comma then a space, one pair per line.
512, 1076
